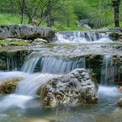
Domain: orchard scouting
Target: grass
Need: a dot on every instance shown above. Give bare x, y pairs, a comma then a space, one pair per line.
10, 19
14, 42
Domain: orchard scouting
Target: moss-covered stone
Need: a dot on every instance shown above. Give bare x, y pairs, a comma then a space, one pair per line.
9, 86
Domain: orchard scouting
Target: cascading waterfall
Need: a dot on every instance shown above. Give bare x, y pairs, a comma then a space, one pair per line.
53, 65
30, 65
11, 64
107, 71
49, 62
31, 84
60, 66
26, 89
79, 36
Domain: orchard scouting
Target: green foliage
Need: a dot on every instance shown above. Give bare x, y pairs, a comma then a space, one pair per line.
14, 42
62, 13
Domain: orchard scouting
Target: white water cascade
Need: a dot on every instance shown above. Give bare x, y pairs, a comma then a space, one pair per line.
53, 65
107, 71
26, 89
81, 37
30, 85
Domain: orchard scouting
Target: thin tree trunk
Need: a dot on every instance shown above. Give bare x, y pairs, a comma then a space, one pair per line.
21, 5
49, 10
22, 11
28, 13
116, 12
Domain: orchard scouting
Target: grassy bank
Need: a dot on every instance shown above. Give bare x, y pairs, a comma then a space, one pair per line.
10, 19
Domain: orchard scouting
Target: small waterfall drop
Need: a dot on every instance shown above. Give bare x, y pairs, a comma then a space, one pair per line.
107, 71
31, 84
79, 36
55, 65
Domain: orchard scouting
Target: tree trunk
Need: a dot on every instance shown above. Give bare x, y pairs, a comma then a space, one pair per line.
49, 11
21, 6
116, 12
28, 12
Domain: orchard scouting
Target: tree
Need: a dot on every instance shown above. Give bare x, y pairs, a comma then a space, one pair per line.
116, 5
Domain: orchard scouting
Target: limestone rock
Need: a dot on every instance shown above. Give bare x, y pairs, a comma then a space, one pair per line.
25, 32
76, 87
39, 41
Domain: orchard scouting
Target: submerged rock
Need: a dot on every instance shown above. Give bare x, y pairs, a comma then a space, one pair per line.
9, 86
76, 87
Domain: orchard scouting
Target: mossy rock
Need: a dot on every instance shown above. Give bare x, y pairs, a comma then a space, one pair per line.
9, 86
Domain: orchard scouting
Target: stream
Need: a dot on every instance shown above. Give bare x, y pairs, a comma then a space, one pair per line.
70, 50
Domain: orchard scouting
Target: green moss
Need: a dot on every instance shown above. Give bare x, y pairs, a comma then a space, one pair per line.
14, 42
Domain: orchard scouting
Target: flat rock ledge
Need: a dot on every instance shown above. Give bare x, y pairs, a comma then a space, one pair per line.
75, 88
21, 31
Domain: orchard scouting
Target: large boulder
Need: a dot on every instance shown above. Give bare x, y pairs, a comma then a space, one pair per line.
76, 87
25, 32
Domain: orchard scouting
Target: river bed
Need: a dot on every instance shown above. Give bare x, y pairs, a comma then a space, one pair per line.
55, 59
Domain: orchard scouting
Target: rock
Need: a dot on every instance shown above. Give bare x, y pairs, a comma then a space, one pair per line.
2, 64
120, 102
120, 88
11, 59
76, 87
39, 41
9, 86
25, 32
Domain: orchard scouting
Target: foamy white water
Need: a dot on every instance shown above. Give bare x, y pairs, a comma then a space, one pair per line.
81, 37
31, 84
108, 91
13, 100
13, 74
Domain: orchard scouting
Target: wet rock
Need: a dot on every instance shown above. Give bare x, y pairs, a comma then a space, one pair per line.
120, 102
12, 60
25, 32
2, 64
9, 86
116, 35
39, 41
95, 63
76, 87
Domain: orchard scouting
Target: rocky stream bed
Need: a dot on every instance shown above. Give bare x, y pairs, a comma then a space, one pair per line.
73, 76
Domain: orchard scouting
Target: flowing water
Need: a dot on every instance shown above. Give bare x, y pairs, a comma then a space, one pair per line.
69, 51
